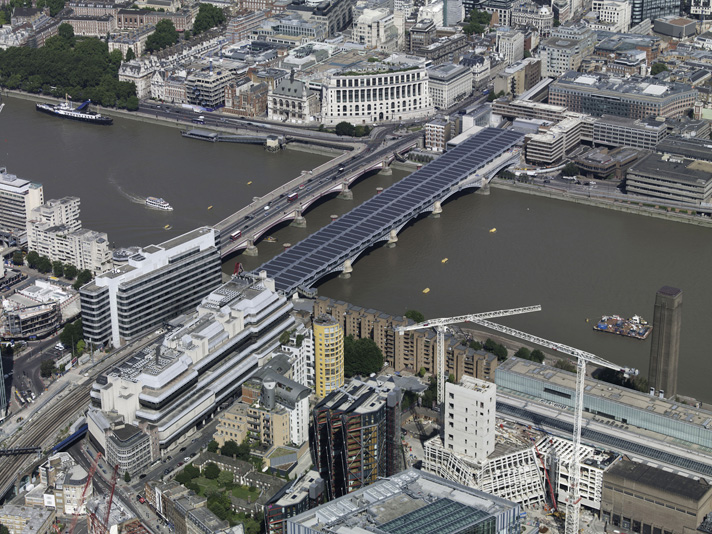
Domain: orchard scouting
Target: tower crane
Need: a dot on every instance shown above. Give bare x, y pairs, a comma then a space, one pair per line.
92, 470
440, 326
573, 506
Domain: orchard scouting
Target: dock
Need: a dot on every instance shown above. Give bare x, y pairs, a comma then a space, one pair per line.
635, 327
216, 137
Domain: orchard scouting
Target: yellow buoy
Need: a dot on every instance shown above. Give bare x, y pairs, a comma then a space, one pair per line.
249, 183
444, 260
210, 207
167, 227
426, 290
493, 230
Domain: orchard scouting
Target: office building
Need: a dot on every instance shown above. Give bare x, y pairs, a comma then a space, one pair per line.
635, 133
180, 380
685, 147
553, 143
565, 49
61, 485
534, 15
296, 497
292, 100
27, 520
641, 497
664, 177
449, 84
445, 50
501, 11
603, 163
421, 35
356, 435
156, 284
18, 198
328, 355
510, 45
614, 13
129, 448
207, 87
412, 502
518, 78
624, 405
665, 345
675, 26
394, 90
653, 9
701, 8
636, 97
374, 28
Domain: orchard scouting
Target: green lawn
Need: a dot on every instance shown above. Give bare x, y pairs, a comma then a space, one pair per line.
206, 485
243, 492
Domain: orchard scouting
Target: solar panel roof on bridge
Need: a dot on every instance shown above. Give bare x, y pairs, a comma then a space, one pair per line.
360, 228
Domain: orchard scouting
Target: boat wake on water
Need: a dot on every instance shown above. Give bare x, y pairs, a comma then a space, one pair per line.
133, 198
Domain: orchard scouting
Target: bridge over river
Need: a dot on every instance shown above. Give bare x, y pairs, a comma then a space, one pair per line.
335, 247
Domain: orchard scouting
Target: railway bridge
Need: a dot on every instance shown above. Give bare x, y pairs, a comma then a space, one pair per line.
336, 247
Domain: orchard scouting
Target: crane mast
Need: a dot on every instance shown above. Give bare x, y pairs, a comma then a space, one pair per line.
573, 506
441, 325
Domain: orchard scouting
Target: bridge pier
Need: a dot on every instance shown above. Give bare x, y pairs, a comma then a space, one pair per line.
299, 221
392, 239
385, 170
251, 249
484, 190
437, 210
347, 270
346, 193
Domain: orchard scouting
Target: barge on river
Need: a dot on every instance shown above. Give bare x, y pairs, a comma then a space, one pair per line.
635, 327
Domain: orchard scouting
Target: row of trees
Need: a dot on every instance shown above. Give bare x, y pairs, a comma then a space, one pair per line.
477, 22
81, 67
533, 355
346, 128
44, 265
208, 17
231, 449
165, 35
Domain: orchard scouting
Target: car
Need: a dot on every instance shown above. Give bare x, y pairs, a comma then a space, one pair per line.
180, 463
186, 459
302, 186
194, 440
266, 207
166, 471
193, 454
143, 475
141, 500
169, 458
182, 449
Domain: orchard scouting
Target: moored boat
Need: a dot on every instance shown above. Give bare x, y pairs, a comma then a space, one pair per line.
65, 110
635, 327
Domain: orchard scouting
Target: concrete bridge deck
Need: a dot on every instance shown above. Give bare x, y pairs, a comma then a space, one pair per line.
336, 246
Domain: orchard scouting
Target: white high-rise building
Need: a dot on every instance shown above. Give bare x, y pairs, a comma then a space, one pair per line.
375, 28
510, 44
469, 418
18, 198
616, 13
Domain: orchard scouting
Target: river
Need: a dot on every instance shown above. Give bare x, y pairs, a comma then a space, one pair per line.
578, 262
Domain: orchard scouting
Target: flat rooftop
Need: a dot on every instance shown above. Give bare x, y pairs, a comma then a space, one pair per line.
632, 474
634, 85
691, 147
681, 170
596, 388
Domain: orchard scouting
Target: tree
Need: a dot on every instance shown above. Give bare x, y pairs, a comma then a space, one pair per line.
421, 372
362, 130
132, 103
657, 68
66, 32
70, 271
83, 277
501, 352
127, 477
361, 357
44, 265
415, 316
164, 36
523, 353
130, 55
565, 365
345, 128
557, 23
475, 345
230, 449
477, 22
537, 356
46, 368
226, 479
211, 471
57, 268
4, 529
33, 259
71, 334
17, 258
527, 54
284, 338
570, 169
213, 446
208, 17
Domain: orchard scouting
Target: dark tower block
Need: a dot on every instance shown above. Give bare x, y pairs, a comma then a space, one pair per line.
665, 348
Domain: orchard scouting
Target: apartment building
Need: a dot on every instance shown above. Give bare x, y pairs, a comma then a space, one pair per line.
356, 435
155, 285
437, 134
18, 198
565, 49
207, 87
518, 78
328, 355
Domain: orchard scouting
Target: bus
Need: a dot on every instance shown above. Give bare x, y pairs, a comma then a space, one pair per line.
235, 236
292, 197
